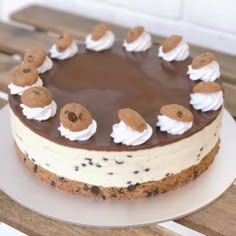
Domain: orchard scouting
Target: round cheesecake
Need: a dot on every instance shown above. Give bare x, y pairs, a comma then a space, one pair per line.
105, 82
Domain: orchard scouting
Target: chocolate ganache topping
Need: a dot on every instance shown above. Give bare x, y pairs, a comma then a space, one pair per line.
105, 82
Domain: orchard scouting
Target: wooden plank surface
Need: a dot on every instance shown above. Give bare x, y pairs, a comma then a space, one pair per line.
15, 40
34, 224
48, 19
6, 65
2, 103
218, 218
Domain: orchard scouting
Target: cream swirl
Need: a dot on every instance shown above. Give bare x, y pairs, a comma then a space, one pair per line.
121, 133
172, 126
180, 53
15, 89
47, 65
208, 73
207, 101
69, 52
82, 135
141, 44
103, 43
39, 113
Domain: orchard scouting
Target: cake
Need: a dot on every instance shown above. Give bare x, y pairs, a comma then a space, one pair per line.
114, 119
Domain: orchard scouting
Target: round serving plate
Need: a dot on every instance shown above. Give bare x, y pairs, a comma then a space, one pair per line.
20, 185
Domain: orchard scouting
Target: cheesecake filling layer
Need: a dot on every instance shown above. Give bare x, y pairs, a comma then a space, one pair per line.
112, 168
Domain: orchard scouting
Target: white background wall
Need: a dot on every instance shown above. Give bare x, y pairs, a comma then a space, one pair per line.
208, 23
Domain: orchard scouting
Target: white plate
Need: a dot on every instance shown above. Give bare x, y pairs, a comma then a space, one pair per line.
23, 187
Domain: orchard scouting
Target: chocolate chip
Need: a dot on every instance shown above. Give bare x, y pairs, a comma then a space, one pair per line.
98, 165
53, 184
199, 155
27, 70
47, 164
61, 179
103, 197
147, 169
36, 92
201, 149
130, 156
119, 162
85, 187
83, 164
131, 187
129, 182
136, 172
30, 58
35, 168
91, 163
180, 114
167, 174
33, 160
76, 168
105, 159
88, 159
110, 173
120, 191
215, 134
152, 193
72, 116
24, 159
195, 174
77, 190
95, 190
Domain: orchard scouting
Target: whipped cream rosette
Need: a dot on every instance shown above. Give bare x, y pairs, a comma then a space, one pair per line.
101, 38
37, 104
175, 119
174, 48
204, 67
132, 129
65, 47
76, 123
38, 57
24, 77
137, 40
207, 96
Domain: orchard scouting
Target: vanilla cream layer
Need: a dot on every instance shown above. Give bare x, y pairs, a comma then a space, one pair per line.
117, 169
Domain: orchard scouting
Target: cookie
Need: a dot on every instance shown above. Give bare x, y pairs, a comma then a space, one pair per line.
36, 56
171, 43
24, 75
203, 60
206, 87
133, 119
177, 112
36, 97
134, 34
63, 42
99, 31
75, 117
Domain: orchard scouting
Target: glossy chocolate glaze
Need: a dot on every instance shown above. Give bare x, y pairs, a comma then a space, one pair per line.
107, 81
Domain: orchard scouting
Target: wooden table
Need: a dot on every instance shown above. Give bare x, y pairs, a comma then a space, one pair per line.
217, 219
